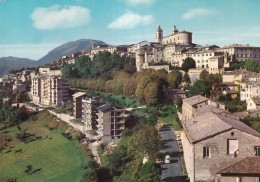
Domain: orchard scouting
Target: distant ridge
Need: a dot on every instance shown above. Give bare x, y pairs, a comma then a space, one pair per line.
67, 49
8, 63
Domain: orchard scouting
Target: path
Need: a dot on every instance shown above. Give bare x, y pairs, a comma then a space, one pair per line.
172, 171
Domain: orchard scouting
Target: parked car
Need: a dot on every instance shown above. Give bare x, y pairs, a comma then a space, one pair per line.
167, 159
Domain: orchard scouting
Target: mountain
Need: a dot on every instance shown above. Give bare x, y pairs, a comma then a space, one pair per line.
67, 49
20, 60
8, 63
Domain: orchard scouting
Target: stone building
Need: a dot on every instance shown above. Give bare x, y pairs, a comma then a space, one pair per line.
253, 103
241, 53
213, 139
111, 122
192, 103
247, 169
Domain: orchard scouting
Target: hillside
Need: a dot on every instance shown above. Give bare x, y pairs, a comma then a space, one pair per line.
8, 63
67, 49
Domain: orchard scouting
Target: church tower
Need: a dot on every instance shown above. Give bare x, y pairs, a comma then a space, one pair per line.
159, 35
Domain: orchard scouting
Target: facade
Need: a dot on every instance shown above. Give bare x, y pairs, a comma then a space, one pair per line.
111, 122
77, 104
54, 91
90, 112
36, 89
253, 103
241, 53
214, 138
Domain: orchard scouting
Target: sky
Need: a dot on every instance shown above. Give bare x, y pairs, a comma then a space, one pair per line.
31, 28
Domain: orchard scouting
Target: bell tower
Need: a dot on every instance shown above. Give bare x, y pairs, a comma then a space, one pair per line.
159, 35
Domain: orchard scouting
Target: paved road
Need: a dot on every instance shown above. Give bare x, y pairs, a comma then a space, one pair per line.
170, 172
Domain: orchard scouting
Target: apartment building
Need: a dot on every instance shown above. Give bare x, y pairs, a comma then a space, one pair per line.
111, 122
90, 112
213, 139
36, 89
54, 91
77, 104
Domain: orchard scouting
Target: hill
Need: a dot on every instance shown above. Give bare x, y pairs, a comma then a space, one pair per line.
67, 49
8, 63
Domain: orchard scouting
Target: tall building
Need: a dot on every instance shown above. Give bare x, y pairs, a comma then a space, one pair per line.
90, 112
111, 122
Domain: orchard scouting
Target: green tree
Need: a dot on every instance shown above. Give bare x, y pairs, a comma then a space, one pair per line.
186, 78
252, 65
174, 78
149, 172
188, 63
200, 87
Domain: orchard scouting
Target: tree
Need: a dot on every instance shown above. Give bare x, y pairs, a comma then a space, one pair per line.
204, 75
174, 78
252, 65
186, 78
151, 93
188, 63
200, 87
178, 102
149, 172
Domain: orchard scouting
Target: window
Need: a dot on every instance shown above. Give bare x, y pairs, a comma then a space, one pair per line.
232, 146
205, 152
257, 150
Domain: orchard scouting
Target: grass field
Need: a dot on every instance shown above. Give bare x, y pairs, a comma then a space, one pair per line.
168, 116
55, 157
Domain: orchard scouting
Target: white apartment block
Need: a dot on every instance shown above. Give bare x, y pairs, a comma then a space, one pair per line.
54, 91
250, 87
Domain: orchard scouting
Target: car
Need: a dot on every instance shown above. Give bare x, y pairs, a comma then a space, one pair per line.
167, 159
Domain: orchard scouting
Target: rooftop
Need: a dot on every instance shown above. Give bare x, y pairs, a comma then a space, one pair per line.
195, 100
248, 165
78, 94
208, 125
238, 72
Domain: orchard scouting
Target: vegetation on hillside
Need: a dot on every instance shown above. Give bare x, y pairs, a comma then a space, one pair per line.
188, 63
253, 122
233, 105
126, 161
250, 65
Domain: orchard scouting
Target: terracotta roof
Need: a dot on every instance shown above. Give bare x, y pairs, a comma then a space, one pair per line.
213, 123
248, 165
195, 100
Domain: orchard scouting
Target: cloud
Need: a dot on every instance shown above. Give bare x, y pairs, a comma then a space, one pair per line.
135, 2
130, 20
56, 17
197, 11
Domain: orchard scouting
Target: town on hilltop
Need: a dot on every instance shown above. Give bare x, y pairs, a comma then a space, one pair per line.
204, 101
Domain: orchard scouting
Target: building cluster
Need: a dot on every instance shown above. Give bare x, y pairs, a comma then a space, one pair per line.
217, 146
49, 88
106, 119
173, 50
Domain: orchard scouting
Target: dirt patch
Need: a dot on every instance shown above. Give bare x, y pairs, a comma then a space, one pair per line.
38, 131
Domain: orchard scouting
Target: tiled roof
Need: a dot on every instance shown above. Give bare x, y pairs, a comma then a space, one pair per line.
248, 165
212, 123
256, 100
195, 100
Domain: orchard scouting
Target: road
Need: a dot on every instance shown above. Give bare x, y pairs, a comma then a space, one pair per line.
171, 172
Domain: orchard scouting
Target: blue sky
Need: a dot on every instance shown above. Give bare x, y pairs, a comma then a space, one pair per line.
31, 28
